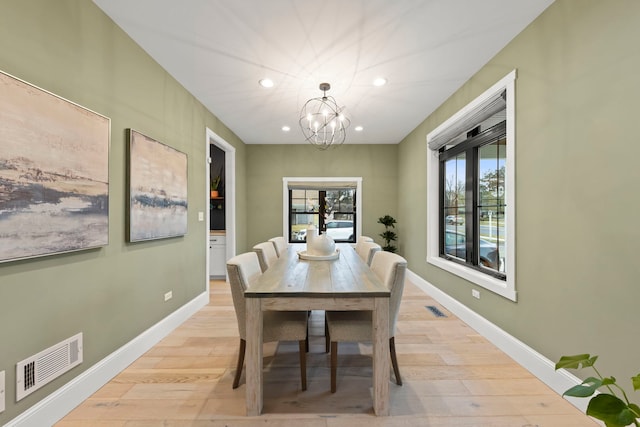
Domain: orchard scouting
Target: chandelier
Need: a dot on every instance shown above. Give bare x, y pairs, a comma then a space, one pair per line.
322, 121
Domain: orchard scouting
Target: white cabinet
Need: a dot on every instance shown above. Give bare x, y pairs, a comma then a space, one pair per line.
217, 256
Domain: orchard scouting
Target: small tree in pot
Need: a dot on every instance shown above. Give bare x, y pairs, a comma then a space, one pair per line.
388, 235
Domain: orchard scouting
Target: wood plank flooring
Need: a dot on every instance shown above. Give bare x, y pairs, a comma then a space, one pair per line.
452, 377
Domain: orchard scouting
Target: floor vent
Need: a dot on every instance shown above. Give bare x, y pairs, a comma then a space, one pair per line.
435, 310
42, 368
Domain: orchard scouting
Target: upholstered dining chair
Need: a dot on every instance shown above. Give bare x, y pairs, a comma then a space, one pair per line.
355, 326
266, 254
243, 269
365, 239
365, 250
280, 244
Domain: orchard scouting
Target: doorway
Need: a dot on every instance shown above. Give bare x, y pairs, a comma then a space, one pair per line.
223, 204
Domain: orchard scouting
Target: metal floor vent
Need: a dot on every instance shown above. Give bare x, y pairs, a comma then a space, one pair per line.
42, 368
435, 310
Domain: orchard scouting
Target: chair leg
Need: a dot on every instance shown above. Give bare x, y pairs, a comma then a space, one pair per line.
326, 335
394, 360
334, 365
306, 341
243, 346
303, 363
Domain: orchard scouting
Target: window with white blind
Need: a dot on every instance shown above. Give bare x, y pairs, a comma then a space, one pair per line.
471, 191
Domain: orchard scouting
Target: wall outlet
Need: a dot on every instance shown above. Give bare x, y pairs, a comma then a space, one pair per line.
475, 293
2, 393
168, 295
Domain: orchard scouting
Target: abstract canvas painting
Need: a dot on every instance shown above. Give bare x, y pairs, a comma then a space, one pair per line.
54, 173
157, 189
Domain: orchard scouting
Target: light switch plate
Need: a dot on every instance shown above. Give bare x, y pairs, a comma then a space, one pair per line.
200, 216
2, 392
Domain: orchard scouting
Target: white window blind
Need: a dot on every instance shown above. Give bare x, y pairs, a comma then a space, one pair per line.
484, 106
443, 134
322, 185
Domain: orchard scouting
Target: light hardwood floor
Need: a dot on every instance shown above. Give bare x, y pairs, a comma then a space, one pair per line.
452, 377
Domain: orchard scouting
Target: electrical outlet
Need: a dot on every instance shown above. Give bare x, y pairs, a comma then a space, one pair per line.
168, 295
475, 293
2, 393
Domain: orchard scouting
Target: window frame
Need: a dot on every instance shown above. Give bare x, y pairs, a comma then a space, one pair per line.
322, 182
470, 147
506, 287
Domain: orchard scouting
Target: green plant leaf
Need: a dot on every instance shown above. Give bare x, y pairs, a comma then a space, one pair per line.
610, 409
636, 382
576, 362
388, 235
635, 408
387, 221
586, 389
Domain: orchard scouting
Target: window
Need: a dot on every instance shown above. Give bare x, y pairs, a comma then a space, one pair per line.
331, 211
328, 203
470, 182
473, 203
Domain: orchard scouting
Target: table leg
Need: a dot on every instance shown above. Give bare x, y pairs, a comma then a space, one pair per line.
381, 356
254, 356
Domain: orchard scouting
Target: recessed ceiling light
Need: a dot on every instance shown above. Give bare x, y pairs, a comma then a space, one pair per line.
286, 128
380, 81
266, 82
358, 128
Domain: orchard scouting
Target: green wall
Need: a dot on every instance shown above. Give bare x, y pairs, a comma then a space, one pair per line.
577, 148
114, 293
268, 164
576, 108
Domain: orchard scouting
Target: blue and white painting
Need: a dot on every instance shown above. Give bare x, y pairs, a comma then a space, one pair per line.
54, 173
157, 189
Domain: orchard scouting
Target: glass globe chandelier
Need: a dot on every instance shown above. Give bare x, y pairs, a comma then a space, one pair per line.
322, 121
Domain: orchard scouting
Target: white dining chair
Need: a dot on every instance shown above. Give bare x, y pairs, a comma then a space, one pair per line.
266, 254
365, 250
243, 269
280, 244
355, 326
365, 239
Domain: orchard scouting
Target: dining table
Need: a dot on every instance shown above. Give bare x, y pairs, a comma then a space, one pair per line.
294, 283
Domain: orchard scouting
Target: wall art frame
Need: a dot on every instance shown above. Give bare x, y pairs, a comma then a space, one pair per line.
158, 189
54, 173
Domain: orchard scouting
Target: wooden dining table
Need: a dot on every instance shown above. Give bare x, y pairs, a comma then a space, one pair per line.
292, 283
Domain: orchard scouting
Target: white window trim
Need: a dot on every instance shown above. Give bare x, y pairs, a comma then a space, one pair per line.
290, 180
505, 288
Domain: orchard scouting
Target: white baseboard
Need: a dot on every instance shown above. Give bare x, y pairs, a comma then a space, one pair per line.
534, 362
59, 403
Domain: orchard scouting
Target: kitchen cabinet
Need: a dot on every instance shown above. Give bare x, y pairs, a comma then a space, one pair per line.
217, 256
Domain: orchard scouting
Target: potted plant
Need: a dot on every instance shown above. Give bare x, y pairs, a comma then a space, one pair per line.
388, 235
214, 186
606, 406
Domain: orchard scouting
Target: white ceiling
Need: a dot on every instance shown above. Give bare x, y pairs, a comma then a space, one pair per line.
219, 49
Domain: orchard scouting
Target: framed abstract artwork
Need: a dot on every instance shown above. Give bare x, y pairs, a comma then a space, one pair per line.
157, 189
54, 173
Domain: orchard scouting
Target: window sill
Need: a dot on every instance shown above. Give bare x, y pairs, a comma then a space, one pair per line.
492, 284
